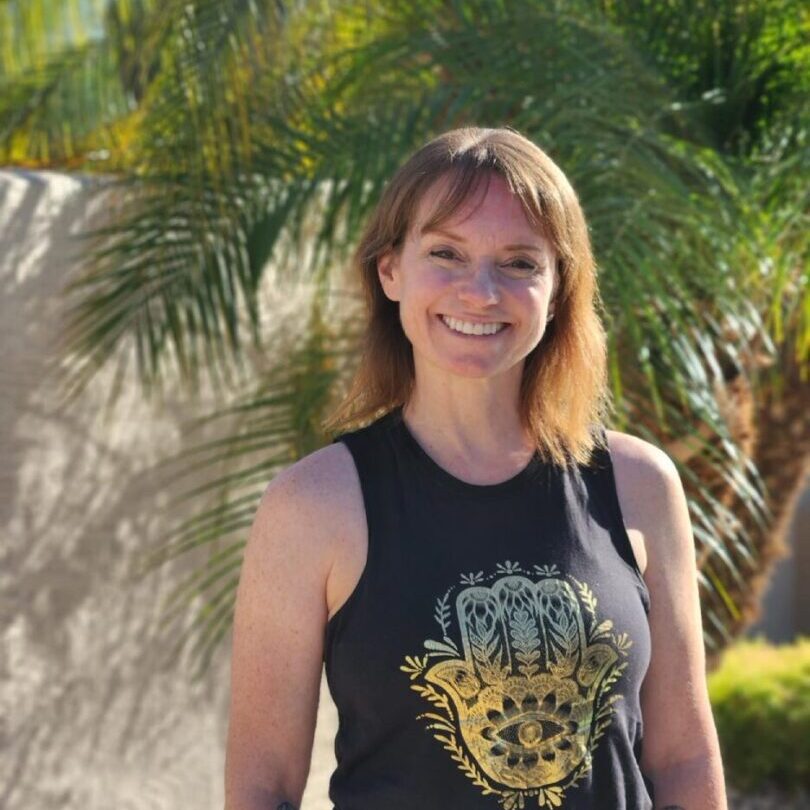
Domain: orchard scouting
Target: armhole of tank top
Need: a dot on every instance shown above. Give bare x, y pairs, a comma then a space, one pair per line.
355, 451
626, 551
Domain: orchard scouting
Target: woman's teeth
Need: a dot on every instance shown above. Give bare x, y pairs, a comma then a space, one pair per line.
467, 328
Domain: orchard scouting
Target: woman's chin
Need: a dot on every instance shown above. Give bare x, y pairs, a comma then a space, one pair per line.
469, 367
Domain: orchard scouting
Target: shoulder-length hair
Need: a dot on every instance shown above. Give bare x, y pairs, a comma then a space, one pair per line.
564, 393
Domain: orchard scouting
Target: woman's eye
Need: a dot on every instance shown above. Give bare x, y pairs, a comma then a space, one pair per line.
522, 265
519, 265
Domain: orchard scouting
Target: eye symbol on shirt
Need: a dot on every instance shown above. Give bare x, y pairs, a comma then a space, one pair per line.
529, 731
528, 693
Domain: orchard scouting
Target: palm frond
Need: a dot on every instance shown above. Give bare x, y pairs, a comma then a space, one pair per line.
285, 410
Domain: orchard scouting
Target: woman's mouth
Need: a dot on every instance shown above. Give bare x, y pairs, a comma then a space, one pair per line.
470, 329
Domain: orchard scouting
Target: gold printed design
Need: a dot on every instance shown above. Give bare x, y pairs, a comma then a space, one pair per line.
529, 692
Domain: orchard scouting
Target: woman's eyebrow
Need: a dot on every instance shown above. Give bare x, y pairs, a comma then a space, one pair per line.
457, 238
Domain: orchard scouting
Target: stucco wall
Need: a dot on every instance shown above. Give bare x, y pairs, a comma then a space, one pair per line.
92, 717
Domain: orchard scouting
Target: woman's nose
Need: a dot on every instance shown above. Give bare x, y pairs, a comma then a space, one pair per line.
481, 284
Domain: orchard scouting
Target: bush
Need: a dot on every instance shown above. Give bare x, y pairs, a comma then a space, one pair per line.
760, 696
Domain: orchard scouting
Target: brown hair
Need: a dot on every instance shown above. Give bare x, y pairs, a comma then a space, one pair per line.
564, 392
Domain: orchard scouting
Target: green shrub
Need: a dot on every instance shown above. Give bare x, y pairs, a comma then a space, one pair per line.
760, 696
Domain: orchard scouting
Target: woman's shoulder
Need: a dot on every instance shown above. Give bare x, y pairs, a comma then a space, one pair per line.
637, 458
317, 503
643, 471
646, 478
321, 479
328, 483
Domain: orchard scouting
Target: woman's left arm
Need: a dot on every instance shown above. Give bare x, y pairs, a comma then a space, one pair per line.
681, 751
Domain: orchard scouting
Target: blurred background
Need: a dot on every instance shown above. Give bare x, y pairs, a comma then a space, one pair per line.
181, 184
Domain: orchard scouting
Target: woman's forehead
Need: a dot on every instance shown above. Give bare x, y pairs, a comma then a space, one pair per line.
445, 206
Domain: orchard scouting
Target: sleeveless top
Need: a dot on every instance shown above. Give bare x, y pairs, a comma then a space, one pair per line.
493, 649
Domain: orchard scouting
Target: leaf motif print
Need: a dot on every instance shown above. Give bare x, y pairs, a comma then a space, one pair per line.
623, 642
526, 640
485, 647
603, 629
442, 612
588, 599
413, 665
508, 567
562, 622
546, 570
441, 648
528, 690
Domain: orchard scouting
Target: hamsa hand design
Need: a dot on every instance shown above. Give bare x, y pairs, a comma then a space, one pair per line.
526, 685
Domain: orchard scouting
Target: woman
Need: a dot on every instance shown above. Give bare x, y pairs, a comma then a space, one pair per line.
504, 593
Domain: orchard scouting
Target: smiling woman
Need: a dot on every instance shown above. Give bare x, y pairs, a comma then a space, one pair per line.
487, 216
502, 591
460, 289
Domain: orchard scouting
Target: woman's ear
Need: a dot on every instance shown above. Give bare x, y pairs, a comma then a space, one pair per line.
388, 273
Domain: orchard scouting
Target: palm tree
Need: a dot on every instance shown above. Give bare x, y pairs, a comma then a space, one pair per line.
746, 61
249, 140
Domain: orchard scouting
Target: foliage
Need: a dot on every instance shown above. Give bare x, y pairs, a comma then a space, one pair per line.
247, 140
760, 697
736, 63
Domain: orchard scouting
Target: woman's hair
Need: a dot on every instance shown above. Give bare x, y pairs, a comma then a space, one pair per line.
564, 392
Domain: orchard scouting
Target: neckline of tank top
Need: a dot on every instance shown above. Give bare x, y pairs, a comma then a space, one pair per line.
450, 481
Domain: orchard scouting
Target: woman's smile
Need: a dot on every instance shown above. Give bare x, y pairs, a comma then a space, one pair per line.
472, 329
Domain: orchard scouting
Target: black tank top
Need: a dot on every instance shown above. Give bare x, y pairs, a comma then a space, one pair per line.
492, 652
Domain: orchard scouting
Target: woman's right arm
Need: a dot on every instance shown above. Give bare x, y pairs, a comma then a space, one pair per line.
278, 634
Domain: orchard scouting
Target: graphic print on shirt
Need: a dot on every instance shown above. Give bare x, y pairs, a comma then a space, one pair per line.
528, 692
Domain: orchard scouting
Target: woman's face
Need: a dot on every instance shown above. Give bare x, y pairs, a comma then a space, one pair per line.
486, 269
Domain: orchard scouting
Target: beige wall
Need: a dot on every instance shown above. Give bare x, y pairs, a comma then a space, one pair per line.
92, 718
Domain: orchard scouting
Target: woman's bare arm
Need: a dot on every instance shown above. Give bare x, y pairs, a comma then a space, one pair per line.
278, 634
681, 752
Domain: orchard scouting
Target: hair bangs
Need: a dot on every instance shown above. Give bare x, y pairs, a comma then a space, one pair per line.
468, 178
